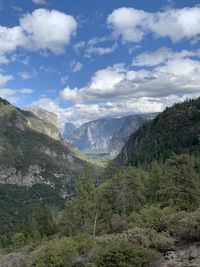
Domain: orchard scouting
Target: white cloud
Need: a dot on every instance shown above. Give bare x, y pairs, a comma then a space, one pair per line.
39, 2
76, 66
127, 22
161, 55
10, 39
4, 79
132, 24
100, 50
13, 95
81, 113
42, 30
48, 30
174, 73
71, 94
25, 75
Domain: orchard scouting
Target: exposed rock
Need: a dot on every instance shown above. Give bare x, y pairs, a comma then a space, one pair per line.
45, 115
19, 259
13, 176
184, 256
107, 135
170, 255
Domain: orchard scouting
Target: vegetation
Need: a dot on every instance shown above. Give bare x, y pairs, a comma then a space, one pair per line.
177, 130
125, 219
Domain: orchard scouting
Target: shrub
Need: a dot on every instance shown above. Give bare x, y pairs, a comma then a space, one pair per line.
147, 238
56, 253
123, 255
188, 228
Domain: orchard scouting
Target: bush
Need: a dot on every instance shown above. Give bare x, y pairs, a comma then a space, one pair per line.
18, 240
123, 255
188, 228
147, 238
56, 253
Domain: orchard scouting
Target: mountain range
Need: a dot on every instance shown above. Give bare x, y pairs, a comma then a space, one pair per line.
107, 135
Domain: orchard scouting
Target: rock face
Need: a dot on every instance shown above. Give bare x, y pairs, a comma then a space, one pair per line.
45, 115
69, 129
107, 135
42, 126
130, 125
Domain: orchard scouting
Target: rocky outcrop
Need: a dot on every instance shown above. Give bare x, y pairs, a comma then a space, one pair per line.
33, 175
45, 115
18, 259
130, 125
185, 256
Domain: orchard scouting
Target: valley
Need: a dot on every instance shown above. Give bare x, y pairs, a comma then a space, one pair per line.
60, 207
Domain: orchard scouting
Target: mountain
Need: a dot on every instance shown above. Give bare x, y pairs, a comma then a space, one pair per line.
32, 151
95, 135
45, 115
176, 130
129, 126
107, 135
69, 129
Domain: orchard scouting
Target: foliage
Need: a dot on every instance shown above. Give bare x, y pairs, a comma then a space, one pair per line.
123, 255
56, 253
174, 130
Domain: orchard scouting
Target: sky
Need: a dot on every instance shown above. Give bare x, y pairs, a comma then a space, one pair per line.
88, 59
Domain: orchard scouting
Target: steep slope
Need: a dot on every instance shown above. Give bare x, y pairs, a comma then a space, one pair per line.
129, 126
95, 135
28, 155
177, 130
44, 115
107, 134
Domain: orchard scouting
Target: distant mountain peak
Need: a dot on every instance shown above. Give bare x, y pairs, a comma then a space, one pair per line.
106, 134
45, 115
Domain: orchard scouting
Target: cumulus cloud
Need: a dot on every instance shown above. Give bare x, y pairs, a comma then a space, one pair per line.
81, 113
178, 75
162, 55
133, 24
118, 90
42, 30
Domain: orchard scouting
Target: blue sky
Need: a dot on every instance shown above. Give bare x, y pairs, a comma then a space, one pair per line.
88, 59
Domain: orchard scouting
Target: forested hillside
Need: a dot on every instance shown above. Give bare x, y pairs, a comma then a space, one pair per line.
177, 130
37, 168
132, 217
